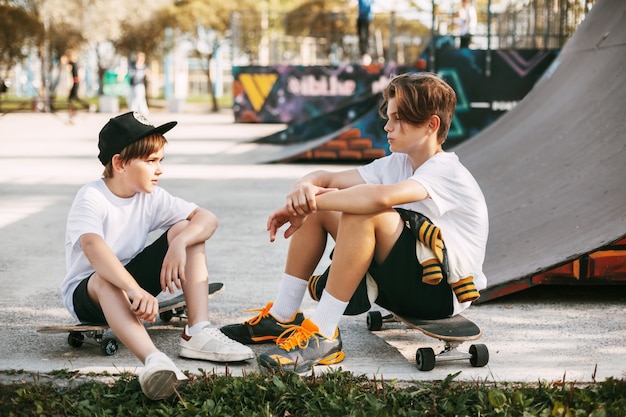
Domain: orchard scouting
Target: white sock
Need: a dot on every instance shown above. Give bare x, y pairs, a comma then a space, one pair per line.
328, 313
155, 355
197, 328
289, 298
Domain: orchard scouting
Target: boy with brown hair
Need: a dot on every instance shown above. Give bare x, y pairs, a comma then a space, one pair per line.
383, 217
113, 278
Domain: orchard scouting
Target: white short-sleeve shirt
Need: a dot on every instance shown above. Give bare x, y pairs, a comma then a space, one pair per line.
455, 204
123, 223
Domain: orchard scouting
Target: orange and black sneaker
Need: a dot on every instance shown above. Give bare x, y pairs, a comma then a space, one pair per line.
303, 348
262, 328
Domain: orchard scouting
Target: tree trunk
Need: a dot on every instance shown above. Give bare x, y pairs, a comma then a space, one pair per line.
215, 107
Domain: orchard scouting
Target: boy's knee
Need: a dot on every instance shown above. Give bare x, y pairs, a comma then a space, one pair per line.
176, 229
360, 217
98, 286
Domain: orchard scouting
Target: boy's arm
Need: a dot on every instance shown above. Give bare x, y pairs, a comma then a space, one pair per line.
302, 200
202, 225
371, 198
109, 268
358, 199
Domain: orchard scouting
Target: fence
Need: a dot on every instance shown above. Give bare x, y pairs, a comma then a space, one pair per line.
330, 37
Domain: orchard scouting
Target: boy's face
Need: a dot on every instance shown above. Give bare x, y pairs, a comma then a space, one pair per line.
141, 175
402, 136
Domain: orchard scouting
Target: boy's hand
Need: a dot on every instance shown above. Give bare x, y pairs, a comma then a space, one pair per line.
173, 269
143, 304
281, 216
301, 199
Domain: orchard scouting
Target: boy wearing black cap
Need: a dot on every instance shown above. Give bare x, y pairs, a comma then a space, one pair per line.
112, 278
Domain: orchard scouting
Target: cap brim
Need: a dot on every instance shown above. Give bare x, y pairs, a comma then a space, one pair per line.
164, 128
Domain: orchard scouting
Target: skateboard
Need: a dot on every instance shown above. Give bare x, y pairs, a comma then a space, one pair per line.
451, 331
94, 333
177, 307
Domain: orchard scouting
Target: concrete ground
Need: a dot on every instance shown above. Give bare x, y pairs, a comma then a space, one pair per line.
549, 333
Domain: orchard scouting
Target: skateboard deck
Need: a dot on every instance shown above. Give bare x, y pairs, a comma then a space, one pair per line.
451, 331
94, 333
176, 306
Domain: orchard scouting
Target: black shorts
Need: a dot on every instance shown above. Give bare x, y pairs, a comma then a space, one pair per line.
145, 268
400, 286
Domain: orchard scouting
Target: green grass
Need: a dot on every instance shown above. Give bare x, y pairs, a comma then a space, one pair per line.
11, 104
335, 393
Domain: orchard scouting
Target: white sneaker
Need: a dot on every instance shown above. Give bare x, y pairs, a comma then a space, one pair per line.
213, 345
160, 377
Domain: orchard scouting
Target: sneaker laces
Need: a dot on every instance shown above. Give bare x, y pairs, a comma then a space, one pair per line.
216, 334
263, 312
296, 336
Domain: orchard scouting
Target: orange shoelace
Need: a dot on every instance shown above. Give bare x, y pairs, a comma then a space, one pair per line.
263, 312
296, 336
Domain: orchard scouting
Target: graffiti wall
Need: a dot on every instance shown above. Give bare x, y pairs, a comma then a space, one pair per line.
488, 84
292, 94
317, 100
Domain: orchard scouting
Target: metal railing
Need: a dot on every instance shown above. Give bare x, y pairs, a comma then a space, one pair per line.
323, 38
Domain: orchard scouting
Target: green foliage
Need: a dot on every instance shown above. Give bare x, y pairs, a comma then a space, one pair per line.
336, 393
19, 30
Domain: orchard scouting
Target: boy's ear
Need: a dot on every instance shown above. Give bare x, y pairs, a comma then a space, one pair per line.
434, 122
116, 162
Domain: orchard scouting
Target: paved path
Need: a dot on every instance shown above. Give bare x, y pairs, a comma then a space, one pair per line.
543, 334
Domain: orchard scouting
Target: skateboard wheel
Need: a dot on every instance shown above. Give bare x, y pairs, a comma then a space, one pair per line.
425, 359
166, 315
75, 339
109, 347
480, 355
374, 320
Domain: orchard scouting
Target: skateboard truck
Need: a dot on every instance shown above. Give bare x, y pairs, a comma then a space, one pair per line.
452, 332
425, 358
108, 345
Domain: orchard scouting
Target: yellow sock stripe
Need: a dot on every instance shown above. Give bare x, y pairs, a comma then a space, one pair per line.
465, 290
432, 273
425, 233
430, 235
311, 286
468, 296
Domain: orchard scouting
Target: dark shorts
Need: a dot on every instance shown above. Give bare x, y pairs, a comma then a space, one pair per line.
145, 268
400, 286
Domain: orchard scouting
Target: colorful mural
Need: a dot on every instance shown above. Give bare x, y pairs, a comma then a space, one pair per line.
317, 100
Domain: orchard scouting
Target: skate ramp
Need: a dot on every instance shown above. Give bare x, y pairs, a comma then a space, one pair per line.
297, 139
553, 169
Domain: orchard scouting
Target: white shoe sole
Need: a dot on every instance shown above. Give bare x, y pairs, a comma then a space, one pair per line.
189, 353
162, 385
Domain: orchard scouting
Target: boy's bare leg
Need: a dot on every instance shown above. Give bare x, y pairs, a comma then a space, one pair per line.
126, 326
196, 287
307, 245
207, 343
360, 238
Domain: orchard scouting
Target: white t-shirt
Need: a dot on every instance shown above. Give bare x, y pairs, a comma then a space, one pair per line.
123, 223
456, 205
467, 20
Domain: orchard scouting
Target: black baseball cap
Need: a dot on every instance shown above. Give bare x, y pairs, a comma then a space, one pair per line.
122, 130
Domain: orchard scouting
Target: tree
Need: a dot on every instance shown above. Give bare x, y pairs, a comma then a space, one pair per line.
19, 32
96, 24
205, 25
